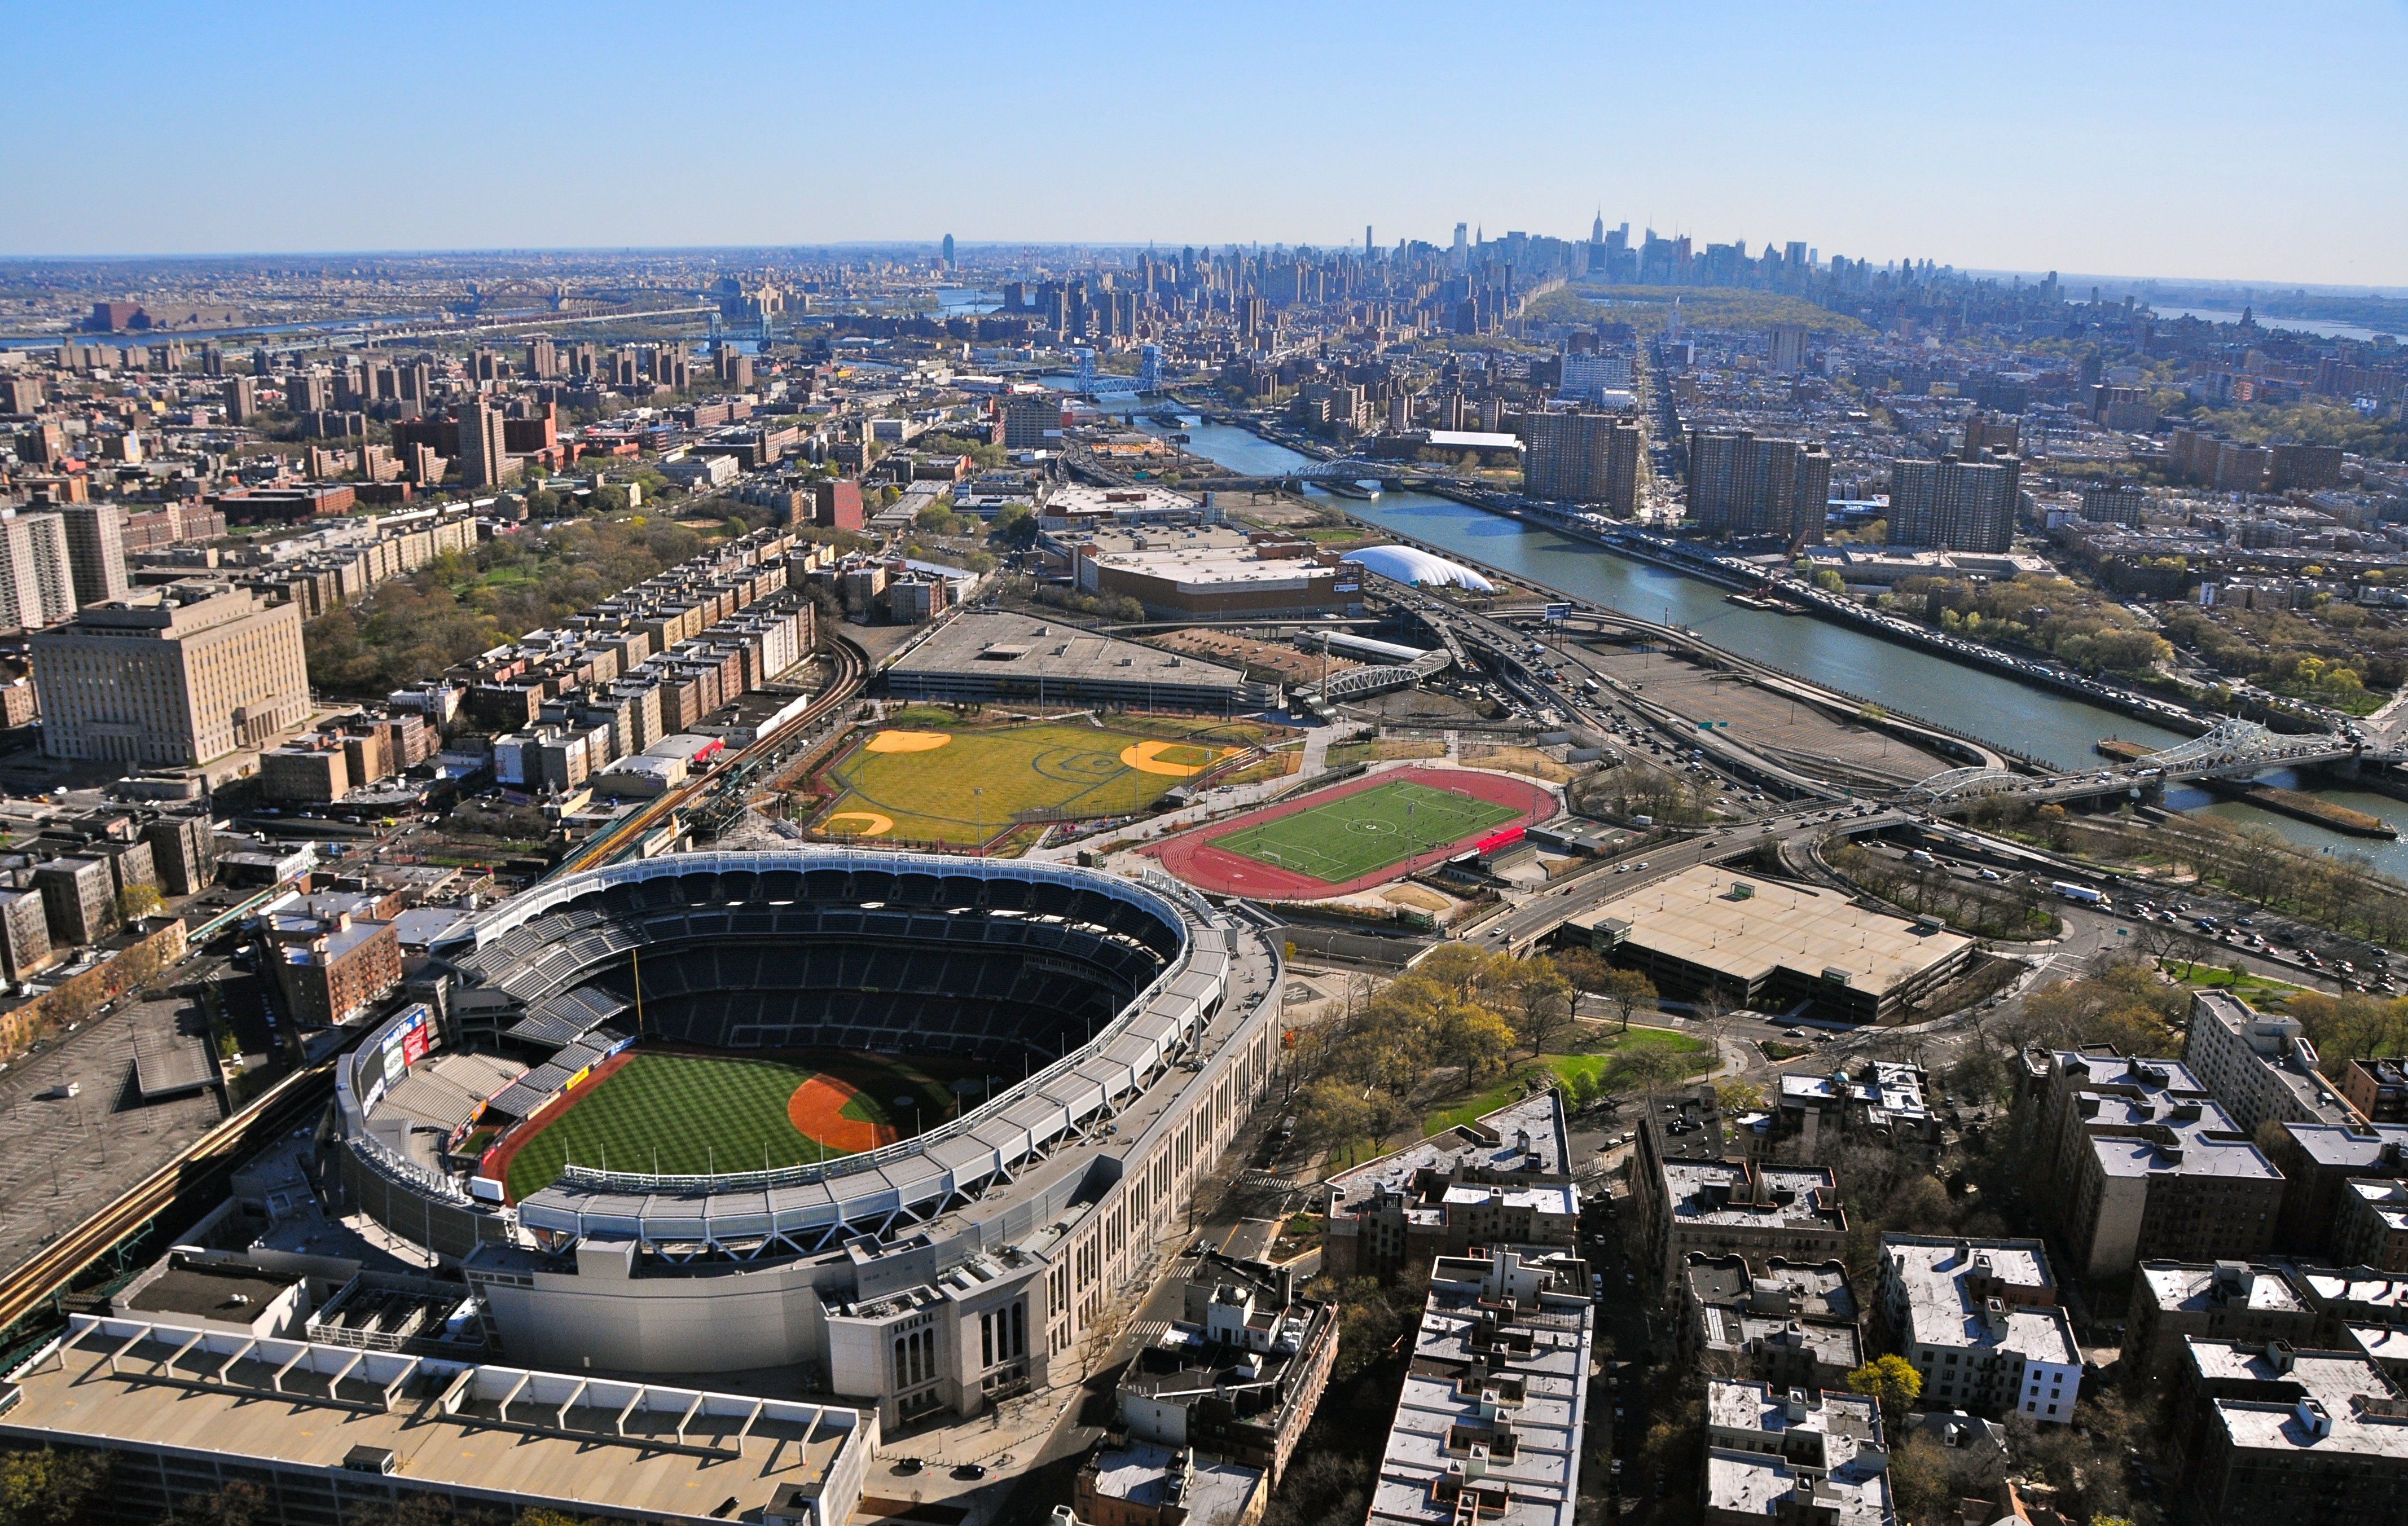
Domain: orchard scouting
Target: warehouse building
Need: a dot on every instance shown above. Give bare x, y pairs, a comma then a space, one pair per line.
1754, 941
981, 656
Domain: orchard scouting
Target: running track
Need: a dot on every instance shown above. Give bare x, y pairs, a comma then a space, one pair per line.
1193, 857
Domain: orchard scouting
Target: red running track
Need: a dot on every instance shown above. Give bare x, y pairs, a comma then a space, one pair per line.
1193, 857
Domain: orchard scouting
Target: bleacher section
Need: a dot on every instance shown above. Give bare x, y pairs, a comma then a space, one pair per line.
898, 962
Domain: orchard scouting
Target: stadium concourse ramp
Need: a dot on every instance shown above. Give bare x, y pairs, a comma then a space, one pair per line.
988, 1245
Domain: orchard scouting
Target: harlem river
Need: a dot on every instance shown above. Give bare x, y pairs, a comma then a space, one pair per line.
2038, 722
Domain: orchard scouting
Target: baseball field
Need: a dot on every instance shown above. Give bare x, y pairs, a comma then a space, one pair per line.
681, 1112
962, 786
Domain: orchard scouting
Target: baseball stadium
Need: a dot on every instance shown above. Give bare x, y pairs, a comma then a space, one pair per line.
1354, 836
903, 1122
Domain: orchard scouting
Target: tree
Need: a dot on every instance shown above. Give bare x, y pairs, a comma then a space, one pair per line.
1649, 1066
1014, 527
1542, 1000
1892, 1380
138, 900
1627, 992
610, 498
1736, 1096
1585, 968
47, 1488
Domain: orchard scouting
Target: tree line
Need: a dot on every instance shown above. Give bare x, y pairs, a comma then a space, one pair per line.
1455, 1020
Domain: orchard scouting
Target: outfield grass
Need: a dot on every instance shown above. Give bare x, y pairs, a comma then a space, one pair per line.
967, 790
690, 1114
1360, 834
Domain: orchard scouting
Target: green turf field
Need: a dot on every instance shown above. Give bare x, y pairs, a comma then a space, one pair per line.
1359, 834
968, 789
690, 1114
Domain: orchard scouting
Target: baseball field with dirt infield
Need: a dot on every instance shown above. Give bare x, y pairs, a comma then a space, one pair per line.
693, 1112
962, 786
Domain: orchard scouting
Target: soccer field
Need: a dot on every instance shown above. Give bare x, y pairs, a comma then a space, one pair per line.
681, 1114
1363, 833
965, 787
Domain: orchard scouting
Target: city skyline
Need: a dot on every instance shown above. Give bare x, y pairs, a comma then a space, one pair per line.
1960, 139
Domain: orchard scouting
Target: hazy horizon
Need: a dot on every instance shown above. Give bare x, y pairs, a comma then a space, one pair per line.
2047, 137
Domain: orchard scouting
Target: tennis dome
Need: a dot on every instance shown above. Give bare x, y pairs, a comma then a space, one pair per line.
1410, 565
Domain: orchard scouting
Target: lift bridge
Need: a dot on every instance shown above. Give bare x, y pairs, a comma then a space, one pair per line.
1087, 381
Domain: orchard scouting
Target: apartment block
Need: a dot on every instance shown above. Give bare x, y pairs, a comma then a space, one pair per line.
2260, 1066
1584, 458
1235, 1315
1492, 1422
1956, 506
1980, 1322
2229, 1300
1797, 1455
1741, 485
1503, 1179
1779, 1323
2270, 1435
2318, 1162
2372, 1229
2378, 1089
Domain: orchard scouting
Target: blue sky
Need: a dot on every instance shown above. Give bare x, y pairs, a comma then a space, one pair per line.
2250, 142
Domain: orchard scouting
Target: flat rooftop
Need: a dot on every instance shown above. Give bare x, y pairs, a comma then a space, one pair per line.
1694, 917
1017, 646
1532, 1126
2184, 1285
616, 1448
1944, 1312
210, 1292
1216, 1494
2193, 1155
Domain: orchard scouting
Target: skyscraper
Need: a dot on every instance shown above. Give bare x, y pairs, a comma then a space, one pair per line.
1740, 485
96, 536
949, 251
1954, 506
484, 458
1582, 458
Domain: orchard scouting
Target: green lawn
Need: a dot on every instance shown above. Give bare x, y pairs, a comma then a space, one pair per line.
1359, 834
1599, 1064
684, 1114
968, 789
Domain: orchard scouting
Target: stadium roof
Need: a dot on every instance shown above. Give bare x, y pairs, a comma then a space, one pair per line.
1411, 565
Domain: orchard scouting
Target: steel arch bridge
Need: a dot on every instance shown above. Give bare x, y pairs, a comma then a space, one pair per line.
1963, 784
2231, 746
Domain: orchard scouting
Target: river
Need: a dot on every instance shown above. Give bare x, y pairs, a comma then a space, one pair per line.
2039, 722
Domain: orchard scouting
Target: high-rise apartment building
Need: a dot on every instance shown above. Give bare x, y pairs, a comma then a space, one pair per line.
543, 358
1740, 485
1031, 422
95, 534
178, 676
1582, 458
37, 573
484, 452
241, 399
1788, 350
1954, 506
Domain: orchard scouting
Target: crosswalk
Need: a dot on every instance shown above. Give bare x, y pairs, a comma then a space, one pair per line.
1143, 1333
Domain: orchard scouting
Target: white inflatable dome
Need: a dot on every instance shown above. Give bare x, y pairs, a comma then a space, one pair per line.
1411, 565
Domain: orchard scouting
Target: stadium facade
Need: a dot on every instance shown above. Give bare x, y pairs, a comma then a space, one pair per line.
992, 1254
